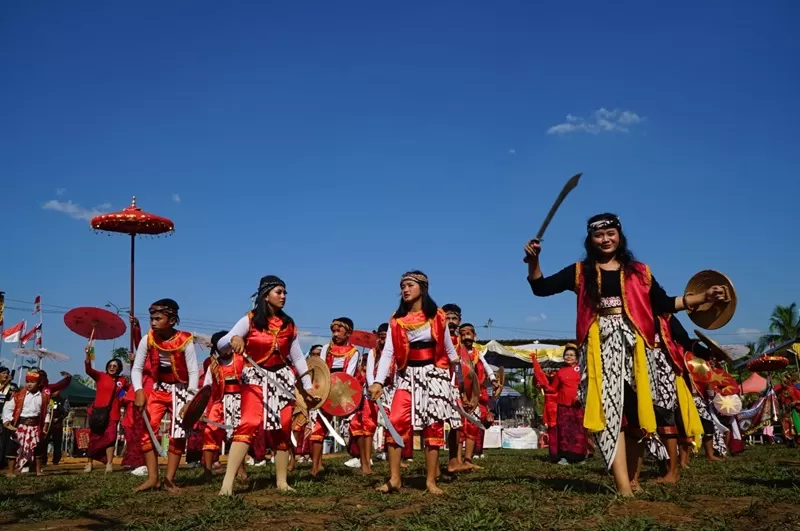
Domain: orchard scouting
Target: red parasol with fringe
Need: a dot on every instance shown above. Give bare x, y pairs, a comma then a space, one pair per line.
133, 221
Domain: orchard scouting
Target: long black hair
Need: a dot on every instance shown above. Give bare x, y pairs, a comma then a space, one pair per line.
429, 306
623, 255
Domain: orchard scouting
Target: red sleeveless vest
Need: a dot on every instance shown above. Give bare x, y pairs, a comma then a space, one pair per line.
175, 347
412, 321
340, 351
19, 401
271, 347
226, 379
635, 300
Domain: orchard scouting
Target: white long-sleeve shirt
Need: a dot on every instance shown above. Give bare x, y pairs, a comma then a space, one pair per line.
371, 355
164, 360
339, 362
32, 407
420, 334
242, 328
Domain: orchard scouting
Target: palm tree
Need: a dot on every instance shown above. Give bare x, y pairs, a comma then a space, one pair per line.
784, 324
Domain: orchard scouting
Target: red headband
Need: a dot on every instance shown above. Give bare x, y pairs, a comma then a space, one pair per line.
32, 376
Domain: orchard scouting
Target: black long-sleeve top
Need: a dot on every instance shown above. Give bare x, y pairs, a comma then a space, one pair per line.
610, 286
681, 337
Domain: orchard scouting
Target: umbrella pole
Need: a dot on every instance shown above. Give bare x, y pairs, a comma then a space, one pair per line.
133, 254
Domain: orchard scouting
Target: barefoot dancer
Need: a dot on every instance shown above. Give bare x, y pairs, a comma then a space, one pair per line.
108, 386
173, 365
455, 463
569, 435
419, 342
365, 424
676, 414
26, 415
269, 337
223, 374
469, 432
616, 299
712, 439
340, 356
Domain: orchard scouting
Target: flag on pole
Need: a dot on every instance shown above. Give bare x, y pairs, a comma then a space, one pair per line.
2, 306
29, 335
37, 305
38, 343
13, 334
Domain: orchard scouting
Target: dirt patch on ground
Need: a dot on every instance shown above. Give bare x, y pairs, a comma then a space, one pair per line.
664, 512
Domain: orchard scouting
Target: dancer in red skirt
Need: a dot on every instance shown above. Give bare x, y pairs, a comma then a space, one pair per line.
106, 405
569, 436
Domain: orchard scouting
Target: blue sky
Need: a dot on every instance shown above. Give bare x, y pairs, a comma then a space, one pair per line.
338, 144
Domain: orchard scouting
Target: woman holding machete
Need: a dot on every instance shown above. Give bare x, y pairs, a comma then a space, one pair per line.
269, 338
617, 297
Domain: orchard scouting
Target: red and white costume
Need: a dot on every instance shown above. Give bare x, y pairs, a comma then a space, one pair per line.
483, 372
173, 366
423, 399
265, 404
28, 413
339, 358
224, 376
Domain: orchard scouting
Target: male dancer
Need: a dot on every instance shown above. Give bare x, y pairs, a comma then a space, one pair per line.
340, 355
173, 364
455, 462
483, 370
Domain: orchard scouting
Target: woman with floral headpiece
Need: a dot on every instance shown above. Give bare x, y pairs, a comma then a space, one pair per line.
419, 343
618, 299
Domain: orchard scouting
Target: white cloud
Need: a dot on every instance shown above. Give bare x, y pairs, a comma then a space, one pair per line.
748, 332
512, 151
536, 318
176, 198
61, 191
600, 121
76, 211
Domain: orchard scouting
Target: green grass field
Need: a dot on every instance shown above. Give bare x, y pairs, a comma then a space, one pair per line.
517, 490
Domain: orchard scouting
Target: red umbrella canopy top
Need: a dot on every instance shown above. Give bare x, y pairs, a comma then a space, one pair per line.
132, 220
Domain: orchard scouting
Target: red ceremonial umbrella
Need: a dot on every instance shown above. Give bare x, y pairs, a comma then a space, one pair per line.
94, 323
132, 220
363, 339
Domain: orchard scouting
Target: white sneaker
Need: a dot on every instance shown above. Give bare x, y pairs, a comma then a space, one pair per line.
353, 463
249, 461
25, 470
563, 461
381, 457
261, 463
141, 471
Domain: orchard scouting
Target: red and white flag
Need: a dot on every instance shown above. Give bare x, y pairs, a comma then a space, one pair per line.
12, 335
38, 343
29, 335
37, 304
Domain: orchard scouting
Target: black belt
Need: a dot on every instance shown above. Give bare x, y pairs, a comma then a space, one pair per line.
419, 363
336, 370
419, 345
274, 368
